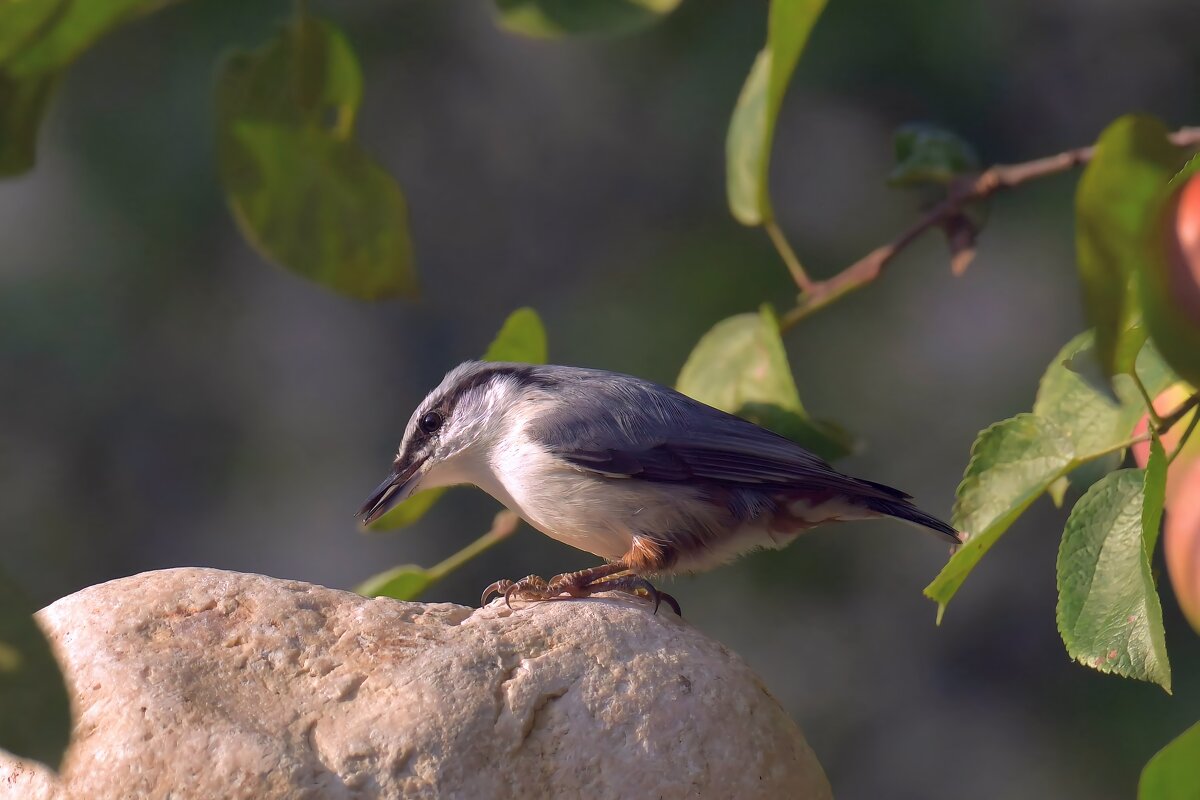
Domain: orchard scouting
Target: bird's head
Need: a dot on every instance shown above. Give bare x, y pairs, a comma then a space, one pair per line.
451, 434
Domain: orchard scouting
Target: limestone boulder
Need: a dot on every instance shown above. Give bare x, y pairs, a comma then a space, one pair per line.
199, 683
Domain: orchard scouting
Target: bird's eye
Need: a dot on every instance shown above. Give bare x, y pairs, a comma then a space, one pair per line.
431, 421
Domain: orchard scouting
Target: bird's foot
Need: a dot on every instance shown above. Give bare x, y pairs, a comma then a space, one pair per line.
574, 585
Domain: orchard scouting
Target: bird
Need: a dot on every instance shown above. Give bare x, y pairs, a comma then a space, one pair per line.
648, 479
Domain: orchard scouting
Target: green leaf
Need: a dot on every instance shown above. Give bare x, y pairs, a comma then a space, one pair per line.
1156, 493
929, 154
522, 338
35, 712
1012, 463
549, 19
1169, 278
1092, 421
302, 190
23, 21
1132, 163
740, 366
1108, 610
1174, 772
23, 103
407, 512
73, 26
406, 582
752, 127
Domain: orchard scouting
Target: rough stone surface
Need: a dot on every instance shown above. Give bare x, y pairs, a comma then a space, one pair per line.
198, 683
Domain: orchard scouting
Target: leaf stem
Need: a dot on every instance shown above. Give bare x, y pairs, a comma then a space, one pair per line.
1141, 387
1179, 413
503, 526
799, 275
968, 189
1187, 434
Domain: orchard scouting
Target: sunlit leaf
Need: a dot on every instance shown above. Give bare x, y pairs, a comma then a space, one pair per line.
522, 338
1108, 609
929, 154
1012, 463
1113, 203
752, 127
1174, 772
35, 712
407, 512
740, 366
406, 582
547, 19
302, 190
1169, 278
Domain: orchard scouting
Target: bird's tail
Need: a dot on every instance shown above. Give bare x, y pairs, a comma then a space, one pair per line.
907, 512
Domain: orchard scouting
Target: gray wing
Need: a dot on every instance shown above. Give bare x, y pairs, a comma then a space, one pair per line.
620, 426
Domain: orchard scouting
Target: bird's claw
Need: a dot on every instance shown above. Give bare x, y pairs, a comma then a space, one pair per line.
570, 586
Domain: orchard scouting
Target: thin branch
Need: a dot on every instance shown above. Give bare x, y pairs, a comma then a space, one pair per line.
503, 525
1141, 387
968, 189
799, 275
1183, 440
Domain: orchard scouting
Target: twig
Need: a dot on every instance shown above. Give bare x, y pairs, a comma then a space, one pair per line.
967, 189
799, 275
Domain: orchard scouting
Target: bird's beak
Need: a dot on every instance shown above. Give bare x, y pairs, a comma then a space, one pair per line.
395, 488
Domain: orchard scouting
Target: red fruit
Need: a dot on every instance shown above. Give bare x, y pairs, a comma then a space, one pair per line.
1165, 403
1181, 542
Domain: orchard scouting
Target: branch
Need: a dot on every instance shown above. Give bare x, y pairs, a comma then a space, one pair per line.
968, 189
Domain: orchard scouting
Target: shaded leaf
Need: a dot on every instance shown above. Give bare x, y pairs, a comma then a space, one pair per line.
752, 127
1012, 463
23, 104
406, 582
548, 19
740, 366
302, 190
1132, 163
73, 26
1174, 772
522, 338
1169, 278
35, 712
929, 154
1108, 610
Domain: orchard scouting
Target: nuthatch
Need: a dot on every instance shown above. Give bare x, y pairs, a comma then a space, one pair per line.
636, 473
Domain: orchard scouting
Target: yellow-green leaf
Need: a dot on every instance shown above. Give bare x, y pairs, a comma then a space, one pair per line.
548, 19
1174, 772
740, 366
522, 338
302, 190
1012, 463
752, 127
405, 582
1132, 163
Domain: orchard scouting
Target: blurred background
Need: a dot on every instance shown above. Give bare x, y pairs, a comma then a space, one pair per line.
170, 399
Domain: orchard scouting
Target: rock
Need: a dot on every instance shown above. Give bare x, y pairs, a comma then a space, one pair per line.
198, 683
